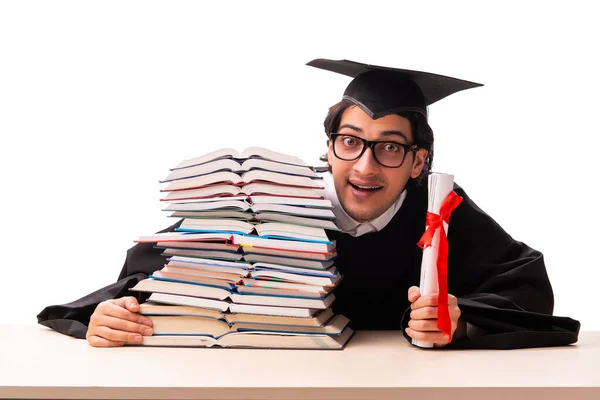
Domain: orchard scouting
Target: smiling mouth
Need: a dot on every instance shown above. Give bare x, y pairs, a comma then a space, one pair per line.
365, 188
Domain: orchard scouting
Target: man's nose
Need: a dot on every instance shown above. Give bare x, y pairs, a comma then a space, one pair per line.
366, 164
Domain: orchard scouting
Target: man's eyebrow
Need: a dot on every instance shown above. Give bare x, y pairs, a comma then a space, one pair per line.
389, 133
384, 133
354, 128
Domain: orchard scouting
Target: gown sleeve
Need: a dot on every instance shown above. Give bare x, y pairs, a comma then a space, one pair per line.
73, 318
502, 286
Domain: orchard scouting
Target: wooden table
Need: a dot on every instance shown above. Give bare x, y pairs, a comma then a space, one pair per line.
36, 362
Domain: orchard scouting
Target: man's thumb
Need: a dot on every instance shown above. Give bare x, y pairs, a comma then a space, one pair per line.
130, 303
413, 293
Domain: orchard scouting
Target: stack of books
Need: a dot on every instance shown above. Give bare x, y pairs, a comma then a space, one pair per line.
250, 264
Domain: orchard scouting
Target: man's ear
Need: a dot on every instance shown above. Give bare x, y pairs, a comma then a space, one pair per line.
418, 163
329, 152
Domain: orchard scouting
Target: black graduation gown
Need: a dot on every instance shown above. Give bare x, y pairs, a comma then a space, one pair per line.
501, 284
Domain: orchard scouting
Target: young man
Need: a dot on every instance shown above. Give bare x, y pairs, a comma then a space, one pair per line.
379, 155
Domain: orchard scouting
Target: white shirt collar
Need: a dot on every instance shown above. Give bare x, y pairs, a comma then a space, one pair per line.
348, 224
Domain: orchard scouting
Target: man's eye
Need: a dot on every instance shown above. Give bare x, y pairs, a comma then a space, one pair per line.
349, 141
392, 148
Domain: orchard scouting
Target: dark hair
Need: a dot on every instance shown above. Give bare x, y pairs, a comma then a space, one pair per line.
422, 133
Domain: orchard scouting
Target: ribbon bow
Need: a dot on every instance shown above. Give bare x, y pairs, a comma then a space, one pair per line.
435, 222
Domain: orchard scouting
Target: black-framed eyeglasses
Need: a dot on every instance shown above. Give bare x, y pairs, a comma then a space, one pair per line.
387, 153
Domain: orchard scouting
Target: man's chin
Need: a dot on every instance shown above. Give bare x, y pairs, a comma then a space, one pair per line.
362, 212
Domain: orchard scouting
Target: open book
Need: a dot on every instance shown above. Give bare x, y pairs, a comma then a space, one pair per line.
283, 263
153, 308
212, 254
206, 195
258, 217
238, 205
256, 339
232, 178
251, 189
249, 153
155, 285
234, 166
267, 230
259, 244
205, 326
223, 306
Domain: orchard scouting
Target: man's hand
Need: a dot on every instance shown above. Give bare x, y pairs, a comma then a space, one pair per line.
424, 317
116, 322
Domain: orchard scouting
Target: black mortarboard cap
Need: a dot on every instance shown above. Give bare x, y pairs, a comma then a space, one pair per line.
380, 91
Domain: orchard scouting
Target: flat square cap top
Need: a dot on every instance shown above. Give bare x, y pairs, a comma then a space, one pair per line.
381, 91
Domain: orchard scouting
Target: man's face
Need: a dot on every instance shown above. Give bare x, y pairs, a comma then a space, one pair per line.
365, 188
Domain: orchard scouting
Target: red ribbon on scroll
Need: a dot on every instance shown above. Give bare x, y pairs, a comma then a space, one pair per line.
434, 222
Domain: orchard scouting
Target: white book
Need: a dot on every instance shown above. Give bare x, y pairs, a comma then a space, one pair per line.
191, 270
204, 192
241, 215
277, 244
290, 286
259, 188
314, 256
214, 293
211, 225
255, 339
248, 153
296, 278
215, 199
318, 304
178, 300
181, 289
197, 253
275, 229
329, 273
209, 261
289, 262
236, 167
234, 205
292, 201
298, 220
254, 176
251, 189
273, 310
293, 210
168, 237
201, 246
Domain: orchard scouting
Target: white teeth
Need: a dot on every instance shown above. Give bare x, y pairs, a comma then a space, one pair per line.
368, 187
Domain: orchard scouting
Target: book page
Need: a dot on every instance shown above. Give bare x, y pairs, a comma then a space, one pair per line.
271, 155
258, 175
209, 191
204, 169
203, 181
266, 165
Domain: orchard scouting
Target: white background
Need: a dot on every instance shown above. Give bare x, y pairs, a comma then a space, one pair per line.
99, 99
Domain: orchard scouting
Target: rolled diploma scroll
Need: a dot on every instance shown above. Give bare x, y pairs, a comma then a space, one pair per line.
440, 185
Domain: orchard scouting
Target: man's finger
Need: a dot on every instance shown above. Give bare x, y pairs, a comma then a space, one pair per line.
413, 293
423, 325
97, 341
123, 325
431, 300
424, 313
431, 337
117, 311
128, 302
117, 336
428, 325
